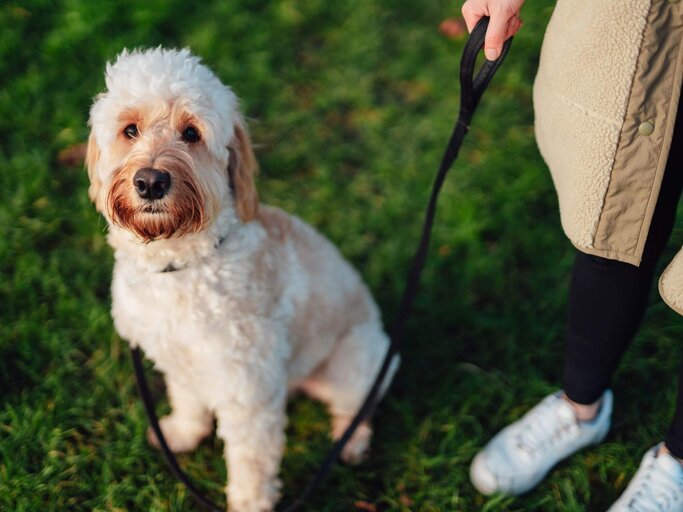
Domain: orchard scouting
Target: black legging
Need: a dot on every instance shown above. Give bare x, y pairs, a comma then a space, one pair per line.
607, 300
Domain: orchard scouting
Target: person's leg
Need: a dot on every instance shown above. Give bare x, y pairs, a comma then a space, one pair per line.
657, 483
607, 298
607, 302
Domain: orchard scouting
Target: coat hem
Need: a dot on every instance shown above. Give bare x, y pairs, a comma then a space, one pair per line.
609, 254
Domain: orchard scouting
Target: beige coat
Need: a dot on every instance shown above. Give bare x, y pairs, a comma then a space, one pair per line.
606, 97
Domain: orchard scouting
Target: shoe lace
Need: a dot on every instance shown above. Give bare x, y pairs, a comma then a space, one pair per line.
544, 427
657, 492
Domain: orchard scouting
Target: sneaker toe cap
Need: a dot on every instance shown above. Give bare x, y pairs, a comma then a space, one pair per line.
482, 477
504, 477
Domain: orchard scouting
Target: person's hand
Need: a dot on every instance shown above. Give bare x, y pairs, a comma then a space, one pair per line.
504, 22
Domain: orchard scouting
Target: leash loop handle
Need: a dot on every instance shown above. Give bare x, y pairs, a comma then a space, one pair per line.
472, 86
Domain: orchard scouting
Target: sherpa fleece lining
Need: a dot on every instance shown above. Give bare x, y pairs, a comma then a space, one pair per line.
581, 93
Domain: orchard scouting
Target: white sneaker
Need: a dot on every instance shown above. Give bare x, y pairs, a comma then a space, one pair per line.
656, 487
520, 455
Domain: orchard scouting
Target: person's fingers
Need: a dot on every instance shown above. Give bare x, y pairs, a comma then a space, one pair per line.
504, 22
513, 27
471, 15
496, 35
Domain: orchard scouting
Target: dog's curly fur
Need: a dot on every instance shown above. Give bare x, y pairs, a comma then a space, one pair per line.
259, 303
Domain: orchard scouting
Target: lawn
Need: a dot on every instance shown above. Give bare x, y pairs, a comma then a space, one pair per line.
350, 105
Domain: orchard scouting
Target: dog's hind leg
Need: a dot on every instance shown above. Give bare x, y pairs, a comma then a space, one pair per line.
188, 423
344, 380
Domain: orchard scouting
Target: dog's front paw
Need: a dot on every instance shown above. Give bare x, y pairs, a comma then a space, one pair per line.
357, 448
258, 494
181, 435
238, 504
251, 507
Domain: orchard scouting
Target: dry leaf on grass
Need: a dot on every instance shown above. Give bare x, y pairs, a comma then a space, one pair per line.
72, 156
453, 28
405, 500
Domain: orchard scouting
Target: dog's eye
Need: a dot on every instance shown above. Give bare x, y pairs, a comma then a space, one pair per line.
131, 131
190, 134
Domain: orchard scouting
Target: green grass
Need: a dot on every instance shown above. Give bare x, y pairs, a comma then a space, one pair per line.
351, 103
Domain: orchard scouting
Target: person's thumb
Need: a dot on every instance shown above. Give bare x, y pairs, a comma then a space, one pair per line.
495, 35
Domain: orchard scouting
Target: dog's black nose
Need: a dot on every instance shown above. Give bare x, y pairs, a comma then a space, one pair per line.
151, 184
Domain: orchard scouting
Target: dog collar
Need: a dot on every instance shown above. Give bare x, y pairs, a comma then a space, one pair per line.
172, 268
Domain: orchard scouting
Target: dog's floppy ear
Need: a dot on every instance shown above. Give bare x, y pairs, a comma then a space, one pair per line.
92, 157
242, 168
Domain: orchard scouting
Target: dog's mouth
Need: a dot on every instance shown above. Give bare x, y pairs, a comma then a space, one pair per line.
153, 210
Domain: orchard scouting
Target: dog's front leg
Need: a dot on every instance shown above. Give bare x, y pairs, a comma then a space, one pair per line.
254, 437
189, 421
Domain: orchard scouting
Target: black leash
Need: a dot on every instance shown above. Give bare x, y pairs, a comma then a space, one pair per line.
472, 88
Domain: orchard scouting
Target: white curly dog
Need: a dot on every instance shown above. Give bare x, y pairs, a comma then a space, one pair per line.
236, 303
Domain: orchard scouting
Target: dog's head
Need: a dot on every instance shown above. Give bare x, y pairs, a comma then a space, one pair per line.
168, 149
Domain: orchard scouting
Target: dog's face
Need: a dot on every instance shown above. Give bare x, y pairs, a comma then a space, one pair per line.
168, 149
